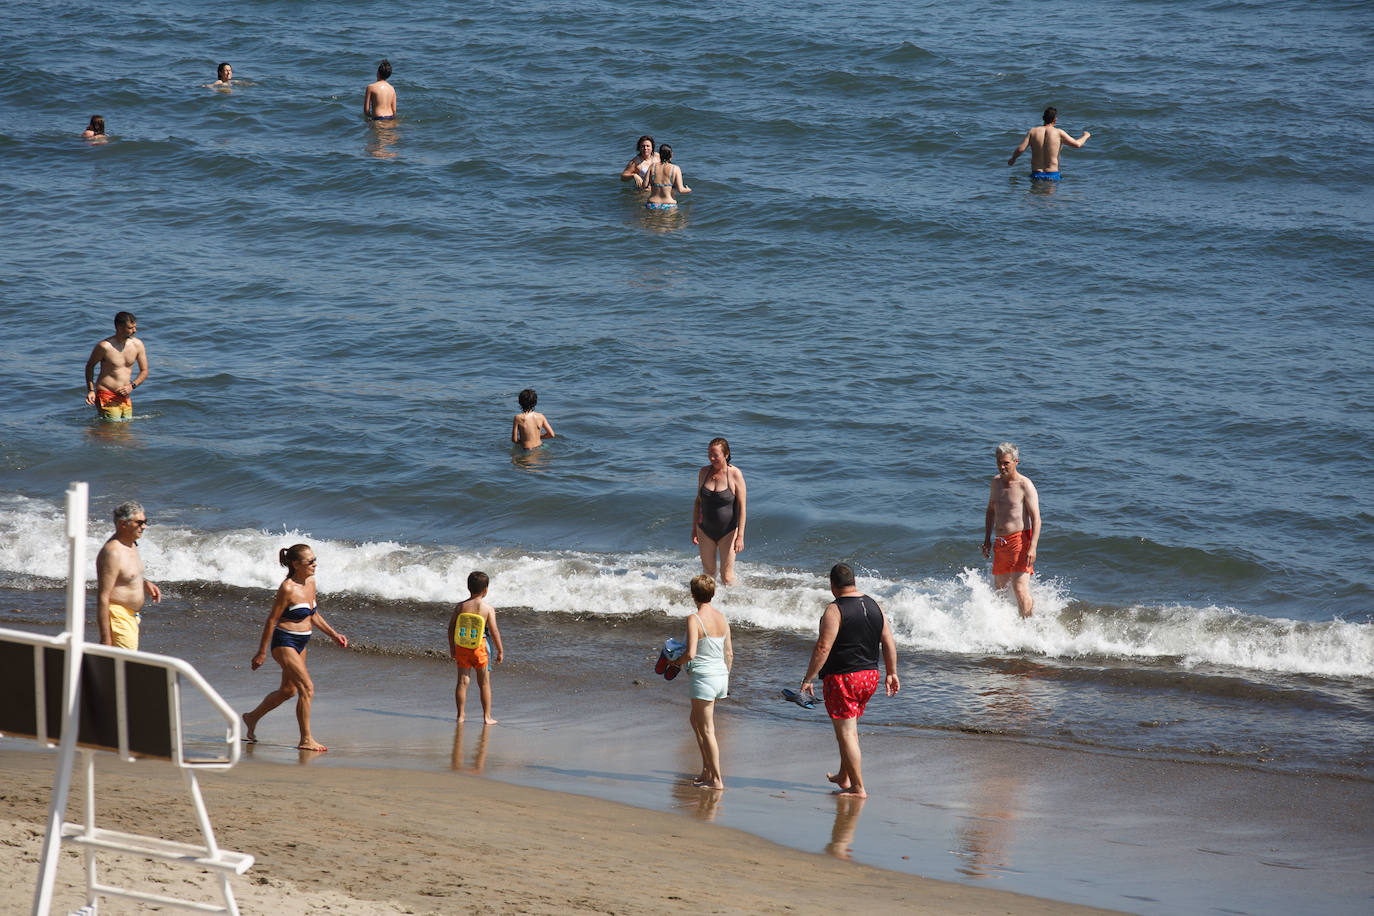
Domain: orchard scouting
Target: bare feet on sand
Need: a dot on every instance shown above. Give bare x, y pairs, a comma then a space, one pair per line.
250, 724
310, 744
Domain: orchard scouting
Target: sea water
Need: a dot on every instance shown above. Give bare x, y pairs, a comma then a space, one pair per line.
858, 293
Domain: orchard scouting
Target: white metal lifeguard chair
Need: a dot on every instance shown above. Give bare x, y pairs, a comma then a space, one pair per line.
60, 690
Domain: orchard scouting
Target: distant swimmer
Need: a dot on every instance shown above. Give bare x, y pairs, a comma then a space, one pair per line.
664, 178
718, 513
295, 614
853, 631
109, 391
1044, 142
95, 130
637, 170
530, 428
1014, 515
379, 101
120, 586
224, 76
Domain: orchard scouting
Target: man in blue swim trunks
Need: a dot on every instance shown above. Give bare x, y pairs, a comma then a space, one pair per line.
1044, 142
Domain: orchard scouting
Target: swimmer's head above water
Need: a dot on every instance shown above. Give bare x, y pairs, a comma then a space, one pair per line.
224, 72
665, 152
1051, 115
97, 126
645, 146
384, 69
528, 399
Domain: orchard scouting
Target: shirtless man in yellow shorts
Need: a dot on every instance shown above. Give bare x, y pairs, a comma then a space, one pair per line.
120, 586
109, 392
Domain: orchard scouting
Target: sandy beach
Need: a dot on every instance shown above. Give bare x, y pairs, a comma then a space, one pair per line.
352, 841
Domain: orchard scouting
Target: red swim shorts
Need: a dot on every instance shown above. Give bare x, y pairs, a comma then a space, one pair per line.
1009, 553
471, 658
847, 694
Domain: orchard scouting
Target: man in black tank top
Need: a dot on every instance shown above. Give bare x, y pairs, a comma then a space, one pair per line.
853, 629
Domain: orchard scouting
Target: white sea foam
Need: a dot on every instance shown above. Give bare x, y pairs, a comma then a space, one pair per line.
960, 614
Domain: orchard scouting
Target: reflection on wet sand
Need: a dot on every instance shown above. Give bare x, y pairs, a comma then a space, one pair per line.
479, 754
985, 837
847, 810
303, 756
701, 803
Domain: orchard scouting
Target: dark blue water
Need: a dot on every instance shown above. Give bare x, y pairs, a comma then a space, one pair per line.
858, 293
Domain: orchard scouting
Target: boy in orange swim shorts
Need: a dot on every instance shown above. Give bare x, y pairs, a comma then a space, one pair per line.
474, 658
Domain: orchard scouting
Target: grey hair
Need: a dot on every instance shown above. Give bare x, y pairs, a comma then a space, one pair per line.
126, 511
1006, 448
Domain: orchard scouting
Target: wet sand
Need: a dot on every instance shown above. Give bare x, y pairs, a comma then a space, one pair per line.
351, 841
404, 791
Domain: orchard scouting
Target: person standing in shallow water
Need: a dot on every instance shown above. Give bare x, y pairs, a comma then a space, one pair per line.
637, 170
379, 99
530, 428
1014, 513
1044, 142
853, 630
708, 658
664, 179
286, 633
718, 514
110, 390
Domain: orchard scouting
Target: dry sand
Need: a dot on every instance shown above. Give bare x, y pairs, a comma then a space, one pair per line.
346, 841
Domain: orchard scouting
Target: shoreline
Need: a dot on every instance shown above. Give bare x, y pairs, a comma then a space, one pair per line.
1114, 830
344, 840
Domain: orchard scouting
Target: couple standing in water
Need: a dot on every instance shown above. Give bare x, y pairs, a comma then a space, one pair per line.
655, 172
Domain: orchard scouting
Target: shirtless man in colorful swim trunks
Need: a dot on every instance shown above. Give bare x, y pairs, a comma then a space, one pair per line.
379, 99
1044, 142
109, 392
853, 629
120, 586
1014, 513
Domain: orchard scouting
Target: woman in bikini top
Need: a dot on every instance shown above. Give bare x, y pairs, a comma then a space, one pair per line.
637, 170
664, 179
286, 633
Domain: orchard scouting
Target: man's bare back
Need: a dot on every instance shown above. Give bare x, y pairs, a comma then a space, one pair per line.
379, 99
1045, 142
530, 429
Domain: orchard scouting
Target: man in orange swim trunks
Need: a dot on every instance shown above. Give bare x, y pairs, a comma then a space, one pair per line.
1014, 513
109, 391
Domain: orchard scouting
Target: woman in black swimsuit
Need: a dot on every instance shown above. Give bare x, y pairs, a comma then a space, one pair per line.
718, 514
